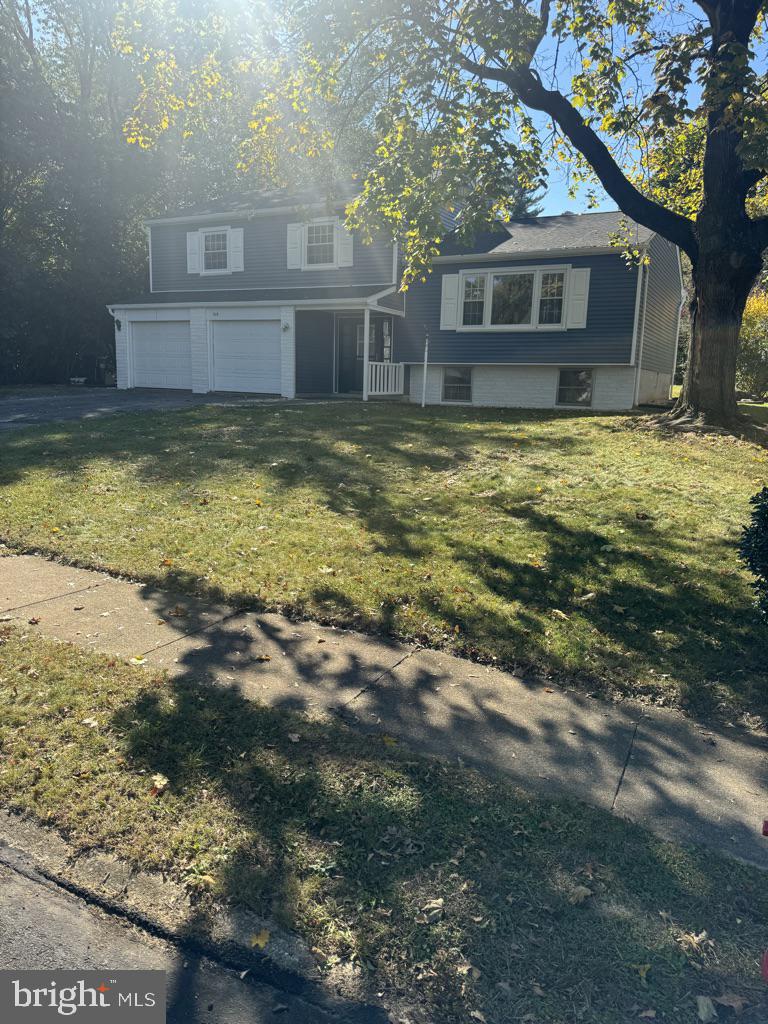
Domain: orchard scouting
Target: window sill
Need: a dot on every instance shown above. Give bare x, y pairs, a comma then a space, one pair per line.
510, 328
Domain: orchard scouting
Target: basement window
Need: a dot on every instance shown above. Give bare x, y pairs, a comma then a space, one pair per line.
574, 387
457, 384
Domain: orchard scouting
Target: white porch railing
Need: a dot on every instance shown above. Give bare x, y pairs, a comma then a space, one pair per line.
385, 378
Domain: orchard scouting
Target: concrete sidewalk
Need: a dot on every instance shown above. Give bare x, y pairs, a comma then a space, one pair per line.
658, 768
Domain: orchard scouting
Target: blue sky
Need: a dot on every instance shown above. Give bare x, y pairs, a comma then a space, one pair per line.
557, 200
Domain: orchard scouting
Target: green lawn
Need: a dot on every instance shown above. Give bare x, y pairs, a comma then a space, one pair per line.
452, 895
578, 544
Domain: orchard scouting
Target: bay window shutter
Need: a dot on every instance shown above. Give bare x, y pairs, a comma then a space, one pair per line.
345, 246
578, 297
449, 302
193, 252
236, 249
295, 240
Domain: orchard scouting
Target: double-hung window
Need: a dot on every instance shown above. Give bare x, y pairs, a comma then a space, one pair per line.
513, 299
320, 246
215, 252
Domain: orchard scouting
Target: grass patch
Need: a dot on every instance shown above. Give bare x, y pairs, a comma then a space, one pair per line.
440, 888
578, 544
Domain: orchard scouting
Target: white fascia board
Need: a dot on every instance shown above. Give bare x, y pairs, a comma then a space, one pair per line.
206, 218
540, 254
358, 303
459, 362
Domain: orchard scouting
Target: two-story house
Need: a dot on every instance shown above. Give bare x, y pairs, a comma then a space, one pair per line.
272, 295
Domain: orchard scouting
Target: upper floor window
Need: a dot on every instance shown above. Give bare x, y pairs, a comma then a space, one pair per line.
513, 298
215, 251
320, 250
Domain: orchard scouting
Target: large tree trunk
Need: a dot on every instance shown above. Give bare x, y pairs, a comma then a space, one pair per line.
721, 283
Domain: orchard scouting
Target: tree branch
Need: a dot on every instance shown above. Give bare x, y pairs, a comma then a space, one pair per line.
528, 87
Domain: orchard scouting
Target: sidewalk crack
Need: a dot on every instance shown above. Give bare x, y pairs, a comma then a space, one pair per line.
53, 597
350, 700
193, 632
624, 767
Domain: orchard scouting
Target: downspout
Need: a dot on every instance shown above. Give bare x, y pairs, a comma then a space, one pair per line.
641, 339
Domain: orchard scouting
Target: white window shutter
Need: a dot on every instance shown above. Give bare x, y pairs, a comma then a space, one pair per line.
295, 240
344, 246
449, 302
193, 252
236, 249
578, 297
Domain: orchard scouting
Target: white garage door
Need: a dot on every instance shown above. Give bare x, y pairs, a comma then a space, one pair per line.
246, 356
162, 356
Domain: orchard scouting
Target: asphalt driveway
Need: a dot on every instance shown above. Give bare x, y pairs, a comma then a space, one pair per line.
18, 409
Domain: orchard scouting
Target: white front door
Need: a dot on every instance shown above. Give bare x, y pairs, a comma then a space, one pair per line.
246, 356
162, 356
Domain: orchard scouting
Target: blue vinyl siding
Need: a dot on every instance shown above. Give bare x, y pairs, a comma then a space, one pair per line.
607, 337
661, 307
264, 258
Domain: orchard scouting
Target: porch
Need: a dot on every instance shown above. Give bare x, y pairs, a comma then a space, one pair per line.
348, 353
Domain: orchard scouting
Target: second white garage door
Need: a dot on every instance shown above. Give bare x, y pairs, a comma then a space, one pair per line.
246, 356
161, 354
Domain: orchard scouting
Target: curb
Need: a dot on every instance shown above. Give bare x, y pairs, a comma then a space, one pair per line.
162, 908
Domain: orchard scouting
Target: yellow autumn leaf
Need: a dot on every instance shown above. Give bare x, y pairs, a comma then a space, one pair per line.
260, 939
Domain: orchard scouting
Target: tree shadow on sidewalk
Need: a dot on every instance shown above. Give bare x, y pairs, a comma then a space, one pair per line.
420, 879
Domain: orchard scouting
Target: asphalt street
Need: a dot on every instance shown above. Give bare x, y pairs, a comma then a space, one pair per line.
44, 926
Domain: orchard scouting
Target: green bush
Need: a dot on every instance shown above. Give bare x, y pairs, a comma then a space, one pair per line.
754, 547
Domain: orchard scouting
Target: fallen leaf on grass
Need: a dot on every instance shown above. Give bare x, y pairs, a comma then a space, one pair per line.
260, 939
580, 894
432, 911
476, 1015
559, 615
159, 785
705, 1009
642, 970
167, 561
294, 737
91, 723
586, 597
139, 659
647, 1015
732, 1001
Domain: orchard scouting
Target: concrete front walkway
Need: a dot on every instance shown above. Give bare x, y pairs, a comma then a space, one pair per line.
658, 768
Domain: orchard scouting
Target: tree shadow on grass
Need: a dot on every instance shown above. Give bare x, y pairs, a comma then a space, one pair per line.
648, 619
355, 843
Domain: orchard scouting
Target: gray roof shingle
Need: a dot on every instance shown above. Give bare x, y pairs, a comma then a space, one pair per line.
572, 231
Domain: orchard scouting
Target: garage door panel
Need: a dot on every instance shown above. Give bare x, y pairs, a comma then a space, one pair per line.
246, 356
162, 354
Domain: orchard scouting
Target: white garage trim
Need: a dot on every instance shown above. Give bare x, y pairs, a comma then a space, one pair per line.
160, 354
247, 356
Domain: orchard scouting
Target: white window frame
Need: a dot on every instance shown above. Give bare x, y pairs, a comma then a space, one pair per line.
489, 273
334, 222
215, 231
457, 401
579, 405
